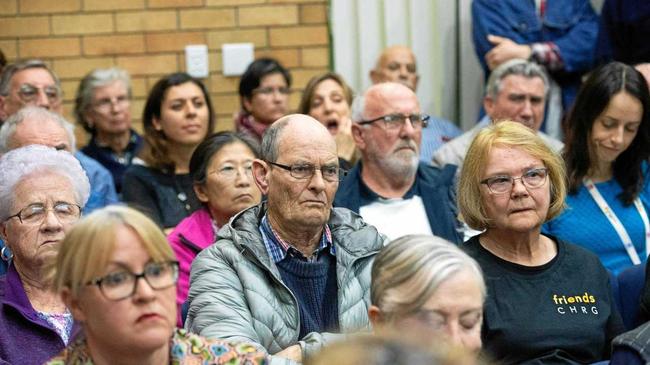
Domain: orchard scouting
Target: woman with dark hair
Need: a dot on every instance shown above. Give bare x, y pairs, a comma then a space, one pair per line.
178, 115
606, 153
221, 169
329, 99
264, 93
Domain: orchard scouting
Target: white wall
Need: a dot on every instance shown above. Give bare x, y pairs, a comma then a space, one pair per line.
439, 33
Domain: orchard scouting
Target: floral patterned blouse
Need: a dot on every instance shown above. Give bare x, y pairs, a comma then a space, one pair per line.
186, 349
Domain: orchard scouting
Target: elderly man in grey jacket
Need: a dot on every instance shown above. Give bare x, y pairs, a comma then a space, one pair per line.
291, 272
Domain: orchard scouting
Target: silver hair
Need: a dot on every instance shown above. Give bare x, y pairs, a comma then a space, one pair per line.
357, 107
271, 140
518, 67
93, 80
21, 163
10, 70
408, 271
11, 124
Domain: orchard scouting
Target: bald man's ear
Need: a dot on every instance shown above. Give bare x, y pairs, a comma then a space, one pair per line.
375, 76
357, 136
417, 79
261, 172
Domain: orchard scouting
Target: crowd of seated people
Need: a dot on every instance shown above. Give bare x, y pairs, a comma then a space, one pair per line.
313, 237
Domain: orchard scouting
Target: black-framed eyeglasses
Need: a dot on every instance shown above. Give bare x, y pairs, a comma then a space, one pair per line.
29, 93
396, 121
531, 179
122, 284
34, 214
305, 171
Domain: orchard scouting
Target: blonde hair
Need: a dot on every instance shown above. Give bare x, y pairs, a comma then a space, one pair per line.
87, 249
507, 134
408, 271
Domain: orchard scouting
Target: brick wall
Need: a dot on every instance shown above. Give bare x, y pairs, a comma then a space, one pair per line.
148, 37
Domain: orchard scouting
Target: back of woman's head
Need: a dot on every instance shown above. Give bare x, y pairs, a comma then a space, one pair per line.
88, 247
407, 272
592, 100
204, 152
156, 146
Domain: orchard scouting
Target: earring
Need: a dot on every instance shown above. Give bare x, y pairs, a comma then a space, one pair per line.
3, 254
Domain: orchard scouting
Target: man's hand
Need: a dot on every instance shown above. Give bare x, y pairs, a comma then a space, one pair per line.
293, 352
505, 49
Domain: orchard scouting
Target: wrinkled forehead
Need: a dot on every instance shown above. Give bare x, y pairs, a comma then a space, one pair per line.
36, 76
395, 101
398, 55
41, 131
518, 84
306, 139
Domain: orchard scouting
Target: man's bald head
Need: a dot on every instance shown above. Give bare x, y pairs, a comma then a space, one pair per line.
396, 64
293, 125
378, 96
35, 125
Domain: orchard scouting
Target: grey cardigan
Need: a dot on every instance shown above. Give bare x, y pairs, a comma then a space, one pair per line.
236, 291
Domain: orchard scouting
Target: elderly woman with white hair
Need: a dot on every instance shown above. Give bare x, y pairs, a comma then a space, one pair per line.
42, 193
103, 108
430, 288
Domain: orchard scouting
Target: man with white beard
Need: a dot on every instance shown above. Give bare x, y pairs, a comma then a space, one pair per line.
389, 187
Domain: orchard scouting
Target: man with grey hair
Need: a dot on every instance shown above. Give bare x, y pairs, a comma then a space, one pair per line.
516, 90
290, 272
29, 82
35, 125
390, 188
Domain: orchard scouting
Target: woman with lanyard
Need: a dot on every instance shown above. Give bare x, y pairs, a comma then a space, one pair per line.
606, 153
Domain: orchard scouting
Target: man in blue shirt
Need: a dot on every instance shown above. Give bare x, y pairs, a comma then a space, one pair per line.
34, 125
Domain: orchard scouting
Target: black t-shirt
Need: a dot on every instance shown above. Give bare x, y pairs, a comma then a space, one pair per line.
559, 313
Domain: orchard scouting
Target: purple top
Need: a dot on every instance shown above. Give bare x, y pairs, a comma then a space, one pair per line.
25, 338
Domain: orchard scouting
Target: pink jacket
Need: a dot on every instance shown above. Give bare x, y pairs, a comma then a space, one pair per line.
190, 236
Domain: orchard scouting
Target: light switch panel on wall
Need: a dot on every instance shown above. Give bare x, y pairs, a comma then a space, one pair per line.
236, 57
196, 60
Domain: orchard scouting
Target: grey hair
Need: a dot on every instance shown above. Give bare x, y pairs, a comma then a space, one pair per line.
10, 70
93, 80
357, 107
21, 163
518, 67
11, 124
271, 140
408, 271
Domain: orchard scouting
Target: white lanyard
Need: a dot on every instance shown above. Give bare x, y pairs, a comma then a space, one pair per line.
616, 223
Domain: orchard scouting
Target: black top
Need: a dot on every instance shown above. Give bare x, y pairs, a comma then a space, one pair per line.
561, 312
165, 198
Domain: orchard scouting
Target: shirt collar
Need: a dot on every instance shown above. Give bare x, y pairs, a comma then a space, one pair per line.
278, 248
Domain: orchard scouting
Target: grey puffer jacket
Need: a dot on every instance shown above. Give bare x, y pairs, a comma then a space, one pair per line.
236, 291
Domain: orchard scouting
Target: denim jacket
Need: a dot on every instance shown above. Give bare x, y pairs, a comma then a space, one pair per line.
572, 25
